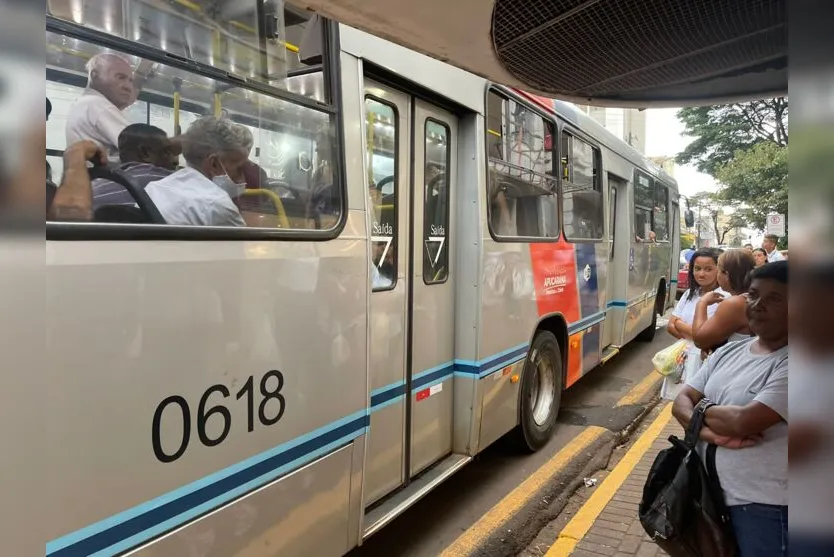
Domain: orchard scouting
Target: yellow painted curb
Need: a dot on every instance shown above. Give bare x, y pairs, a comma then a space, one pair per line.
641, 389
513, 502
582, 521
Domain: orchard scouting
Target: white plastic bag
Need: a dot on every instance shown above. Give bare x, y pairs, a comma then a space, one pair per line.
670, 361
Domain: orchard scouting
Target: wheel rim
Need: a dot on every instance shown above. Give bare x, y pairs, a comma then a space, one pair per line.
541, 391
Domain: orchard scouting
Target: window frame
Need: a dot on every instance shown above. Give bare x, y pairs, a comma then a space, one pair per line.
657, 185
507, 94
598, 187
447, 212
393, 107
635, 206
94, 231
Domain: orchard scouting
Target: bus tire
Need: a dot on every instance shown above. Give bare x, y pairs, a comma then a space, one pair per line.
540, 394
647, 334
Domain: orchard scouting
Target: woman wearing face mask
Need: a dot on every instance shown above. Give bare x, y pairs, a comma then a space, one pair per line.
703, 279
729, 321
215, 150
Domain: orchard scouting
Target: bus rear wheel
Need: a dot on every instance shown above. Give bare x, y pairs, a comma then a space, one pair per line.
540, 394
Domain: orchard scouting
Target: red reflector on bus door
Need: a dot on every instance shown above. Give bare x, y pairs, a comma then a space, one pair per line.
426, 393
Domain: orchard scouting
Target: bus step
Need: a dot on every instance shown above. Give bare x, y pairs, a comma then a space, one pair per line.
416, 490
609, 353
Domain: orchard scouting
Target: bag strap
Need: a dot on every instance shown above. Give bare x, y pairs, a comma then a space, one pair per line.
695, 425
715, 484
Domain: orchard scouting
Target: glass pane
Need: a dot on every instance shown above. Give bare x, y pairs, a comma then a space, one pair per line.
643, 225
522, 189
436, 204
661, 214
286, 53
643, 193
285, 149
582, 163
381, 123
582, 203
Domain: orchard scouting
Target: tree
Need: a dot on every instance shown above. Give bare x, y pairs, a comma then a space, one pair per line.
759, 178
718, 216
722, 130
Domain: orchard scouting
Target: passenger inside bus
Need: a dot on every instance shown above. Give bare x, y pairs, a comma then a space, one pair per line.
112, 86
146, 154
215, 150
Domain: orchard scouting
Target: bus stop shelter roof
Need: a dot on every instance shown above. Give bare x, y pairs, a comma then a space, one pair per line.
634, 53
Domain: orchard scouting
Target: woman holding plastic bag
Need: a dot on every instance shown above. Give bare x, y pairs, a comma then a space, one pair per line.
703, 278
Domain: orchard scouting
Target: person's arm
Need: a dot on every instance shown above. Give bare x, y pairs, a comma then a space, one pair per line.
143, 72
681, 329
741, 421
74, 199
769, 408
671, 328
684, 407
730, 316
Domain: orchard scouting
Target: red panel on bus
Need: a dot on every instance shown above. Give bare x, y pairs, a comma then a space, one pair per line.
554, 272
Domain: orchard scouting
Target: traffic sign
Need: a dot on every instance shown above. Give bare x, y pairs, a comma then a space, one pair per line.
776, 224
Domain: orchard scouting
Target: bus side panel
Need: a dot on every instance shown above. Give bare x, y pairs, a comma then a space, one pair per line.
300, 514
186, 374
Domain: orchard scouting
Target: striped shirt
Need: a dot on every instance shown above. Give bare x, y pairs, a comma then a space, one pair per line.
106, 192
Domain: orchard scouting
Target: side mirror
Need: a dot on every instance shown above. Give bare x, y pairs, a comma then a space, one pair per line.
689, 218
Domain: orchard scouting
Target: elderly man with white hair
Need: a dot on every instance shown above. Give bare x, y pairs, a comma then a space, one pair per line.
112, 86
215, 150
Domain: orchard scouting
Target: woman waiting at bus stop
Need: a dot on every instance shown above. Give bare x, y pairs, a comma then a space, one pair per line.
703, 279
729, 322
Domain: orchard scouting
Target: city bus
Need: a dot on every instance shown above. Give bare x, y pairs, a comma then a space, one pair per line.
430, 261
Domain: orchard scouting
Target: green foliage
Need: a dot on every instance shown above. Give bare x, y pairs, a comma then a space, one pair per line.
745, 147
757, 177
720, 131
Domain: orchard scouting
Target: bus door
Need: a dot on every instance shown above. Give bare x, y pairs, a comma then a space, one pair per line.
617, 270
411, 165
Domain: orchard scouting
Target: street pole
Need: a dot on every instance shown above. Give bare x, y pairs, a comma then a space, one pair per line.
698, 237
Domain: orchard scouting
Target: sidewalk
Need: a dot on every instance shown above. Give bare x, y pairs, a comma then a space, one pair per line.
607, 524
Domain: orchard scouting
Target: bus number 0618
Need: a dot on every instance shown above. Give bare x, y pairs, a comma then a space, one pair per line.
270, 400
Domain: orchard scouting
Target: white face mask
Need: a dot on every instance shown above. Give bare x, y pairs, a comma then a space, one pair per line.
230, 187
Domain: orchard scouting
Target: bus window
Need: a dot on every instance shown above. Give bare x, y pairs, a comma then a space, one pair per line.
383, 135
286, 53
522, 190
643, 208
436, 204
581, 190
290, 145
661, 212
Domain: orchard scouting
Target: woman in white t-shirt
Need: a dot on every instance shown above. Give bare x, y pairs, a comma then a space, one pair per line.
703, 278
729, 322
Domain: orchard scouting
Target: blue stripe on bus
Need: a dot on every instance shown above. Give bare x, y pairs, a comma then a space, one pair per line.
617, 304
586, 322
432, 376
387, 394
134, 526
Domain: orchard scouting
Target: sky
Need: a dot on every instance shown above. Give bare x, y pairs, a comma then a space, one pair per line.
664, 137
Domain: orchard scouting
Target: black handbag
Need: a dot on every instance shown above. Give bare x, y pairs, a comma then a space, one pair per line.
682, 507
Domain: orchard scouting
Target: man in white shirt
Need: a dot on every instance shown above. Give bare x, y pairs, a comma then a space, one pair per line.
769, 245
215, 150
112, 86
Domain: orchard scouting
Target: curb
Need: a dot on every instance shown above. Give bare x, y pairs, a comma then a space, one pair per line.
515, 533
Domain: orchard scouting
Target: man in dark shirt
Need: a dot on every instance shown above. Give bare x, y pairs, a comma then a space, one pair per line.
146, 154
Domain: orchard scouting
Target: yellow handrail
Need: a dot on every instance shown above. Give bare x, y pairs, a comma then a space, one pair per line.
279, 205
